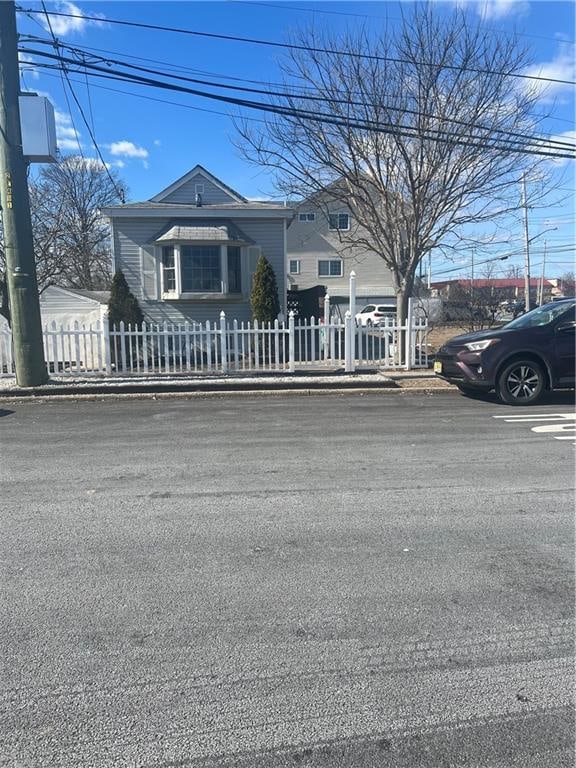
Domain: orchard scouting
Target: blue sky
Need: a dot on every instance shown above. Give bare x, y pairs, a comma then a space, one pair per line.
151, 143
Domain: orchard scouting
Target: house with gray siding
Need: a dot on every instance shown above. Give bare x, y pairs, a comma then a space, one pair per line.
321, 251
191, 251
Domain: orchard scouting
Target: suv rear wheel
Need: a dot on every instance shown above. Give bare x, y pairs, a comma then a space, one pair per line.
521, 382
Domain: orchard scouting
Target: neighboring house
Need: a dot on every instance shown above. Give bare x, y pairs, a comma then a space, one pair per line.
190, 252
66, 306
317, 255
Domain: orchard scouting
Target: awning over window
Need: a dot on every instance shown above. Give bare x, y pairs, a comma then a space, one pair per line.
213, 231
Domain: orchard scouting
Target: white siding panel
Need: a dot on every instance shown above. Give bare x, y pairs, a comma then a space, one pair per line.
212, 195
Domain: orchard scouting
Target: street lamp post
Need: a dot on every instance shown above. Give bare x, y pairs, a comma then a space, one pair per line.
527, 272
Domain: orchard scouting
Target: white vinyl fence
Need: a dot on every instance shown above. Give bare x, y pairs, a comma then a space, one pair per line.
226, 347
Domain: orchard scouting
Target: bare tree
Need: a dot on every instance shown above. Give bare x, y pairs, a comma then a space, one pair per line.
419, 133
76, 190
71, 245
515, 272
568, 284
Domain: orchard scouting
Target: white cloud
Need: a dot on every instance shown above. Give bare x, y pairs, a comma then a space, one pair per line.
495, 9
118, 164
157, 142
127, 149
72, 144
562, 67
62, 25
28, 66
67, 136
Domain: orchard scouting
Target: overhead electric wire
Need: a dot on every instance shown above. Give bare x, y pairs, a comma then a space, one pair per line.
284, 6
387, 128
502, 257
119, 190
294, 46
162, 101
62, 74
508, 135
181, 67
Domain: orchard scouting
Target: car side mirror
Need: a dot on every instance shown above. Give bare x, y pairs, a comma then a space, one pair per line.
569, 327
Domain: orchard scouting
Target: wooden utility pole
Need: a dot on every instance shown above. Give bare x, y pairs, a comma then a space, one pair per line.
21, 280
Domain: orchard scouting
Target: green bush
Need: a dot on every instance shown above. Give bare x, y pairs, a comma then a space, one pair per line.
264, 295
123, 305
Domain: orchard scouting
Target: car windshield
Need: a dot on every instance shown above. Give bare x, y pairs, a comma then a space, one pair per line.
542, 315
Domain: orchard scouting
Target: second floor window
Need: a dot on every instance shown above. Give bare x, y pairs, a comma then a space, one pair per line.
330, 268
294, 266
306, 217
339, 221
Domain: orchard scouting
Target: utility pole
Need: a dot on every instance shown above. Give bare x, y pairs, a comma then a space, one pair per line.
541, 292
18, 243
527, 250
472, 280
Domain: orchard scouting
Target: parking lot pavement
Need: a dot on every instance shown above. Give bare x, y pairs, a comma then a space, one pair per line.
559, 426
337, 581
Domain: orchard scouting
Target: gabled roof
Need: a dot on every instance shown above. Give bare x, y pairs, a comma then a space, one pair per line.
198, 169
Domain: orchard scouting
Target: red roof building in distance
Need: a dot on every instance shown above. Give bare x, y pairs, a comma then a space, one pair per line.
505, 287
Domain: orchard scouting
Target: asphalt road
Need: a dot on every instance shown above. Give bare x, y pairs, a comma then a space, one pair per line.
378, 580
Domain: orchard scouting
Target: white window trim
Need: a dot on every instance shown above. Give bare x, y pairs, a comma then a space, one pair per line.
328, 261
178, 294
339, 229
198, 189
298, 266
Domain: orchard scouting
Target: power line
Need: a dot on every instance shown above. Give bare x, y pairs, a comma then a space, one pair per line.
182, 68
162, 101
505, 257
294, 46
62, 73
119, 190
284, 6
386, 128
508, 135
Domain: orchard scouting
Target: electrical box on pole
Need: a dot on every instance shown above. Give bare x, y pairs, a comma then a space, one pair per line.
38, 126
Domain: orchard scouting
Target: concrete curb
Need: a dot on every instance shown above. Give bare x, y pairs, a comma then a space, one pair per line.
311, 382
17, 398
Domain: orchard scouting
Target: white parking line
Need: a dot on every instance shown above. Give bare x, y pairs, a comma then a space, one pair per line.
567, 431
512, 417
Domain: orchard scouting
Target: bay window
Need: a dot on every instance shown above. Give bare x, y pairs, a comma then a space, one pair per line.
189, 270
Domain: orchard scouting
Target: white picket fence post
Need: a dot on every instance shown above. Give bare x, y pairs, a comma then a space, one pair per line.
326, 335
291, 355
408, 341
223, 346
353, 315
349, 330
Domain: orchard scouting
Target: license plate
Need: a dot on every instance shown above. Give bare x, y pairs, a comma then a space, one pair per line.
437, 366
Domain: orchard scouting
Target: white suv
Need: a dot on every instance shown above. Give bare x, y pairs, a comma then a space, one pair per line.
375, 314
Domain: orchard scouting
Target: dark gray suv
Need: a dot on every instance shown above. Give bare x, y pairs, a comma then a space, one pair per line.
520, 360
